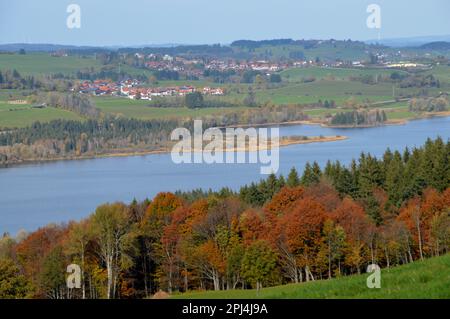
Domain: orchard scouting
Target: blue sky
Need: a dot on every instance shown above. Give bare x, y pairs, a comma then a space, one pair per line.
136, 22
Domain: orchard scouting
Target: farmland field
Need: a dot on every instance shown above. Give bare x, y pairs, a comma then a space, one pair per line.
330, 84
442, 72
339, 91
12, 116
43, 63
297, 74
40, 63
140, 109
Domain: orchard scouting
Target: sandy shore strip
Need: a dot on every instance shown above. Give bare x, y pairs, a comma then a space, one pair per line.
283, 142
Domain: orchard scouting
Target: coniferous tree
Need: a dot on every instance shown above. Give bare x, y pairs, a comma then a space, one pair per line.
394, 185
293, 180
311, 174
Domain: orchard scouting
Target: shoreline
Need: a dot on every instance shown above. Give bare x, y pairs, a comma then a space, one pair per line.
283, 142
423, 116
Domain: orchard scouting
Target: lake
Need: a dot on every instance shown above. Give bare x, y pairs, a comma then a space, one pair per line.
34, 195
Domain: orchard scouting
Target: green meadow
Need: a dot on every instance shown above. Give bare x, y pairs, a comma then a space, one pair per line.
339, 91
14, 116
442, 72
324, 51
298, 74
43, 63
139, 109
429, 279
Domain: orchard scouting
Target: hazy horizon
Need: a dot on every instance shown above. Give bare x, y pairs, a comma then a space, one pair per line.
139, 45
140, 22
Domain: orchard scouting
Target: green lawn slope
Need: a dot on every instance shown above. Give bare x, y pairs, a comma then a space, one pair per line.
421, 279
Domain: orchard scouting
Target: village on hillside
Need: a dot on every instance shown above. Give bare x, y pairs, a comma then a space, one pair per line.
134, 89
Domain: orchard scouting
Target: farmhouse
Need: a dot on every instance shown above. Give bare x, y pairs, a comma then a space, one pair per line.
17, 102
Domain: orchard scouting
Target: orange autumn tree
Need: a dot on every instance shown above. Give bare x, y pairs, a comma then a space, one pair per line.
427, 221
158, 215
32, 251
197, 213
160, 209
208, 260
170, 246
300, 235
325, 194
284, 200
355, 222
251, 226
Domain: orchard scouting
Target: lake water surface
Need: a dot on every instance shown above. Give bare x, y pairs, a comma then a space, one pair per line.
37, 194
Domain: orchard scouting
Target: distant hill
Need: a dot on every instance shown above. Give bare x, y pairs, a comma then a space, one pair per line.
308, 44
248, 44
272, 49
46, 47
440, 45
428, 279
255, 44
41, 47
410, 42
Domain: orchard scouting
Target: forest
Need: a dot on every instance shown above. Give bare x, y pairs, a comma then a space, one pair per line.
359, 118
439, 104
324, 223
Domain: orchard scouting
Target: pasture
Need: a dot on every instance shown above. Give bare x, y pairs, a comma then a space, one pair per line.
15, 116
141, 110
43, 63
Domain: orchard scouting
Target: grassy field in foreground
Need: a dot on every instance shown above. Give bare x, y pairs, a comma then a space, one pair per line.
421, 279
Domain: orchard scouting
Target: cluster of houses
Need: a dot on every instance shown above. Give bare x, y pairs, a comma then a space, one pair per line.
102, 87
133, 89
181, 64
145, 93
265, 66
194, 67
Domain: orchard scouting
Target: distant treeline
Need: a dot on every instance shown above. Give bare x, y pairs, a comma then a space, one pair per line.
193, 100
402, 79
193, 50
77, 103
199, 100
439, 104
12, 80
420, 81
359, 118
307, 44
104, 73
